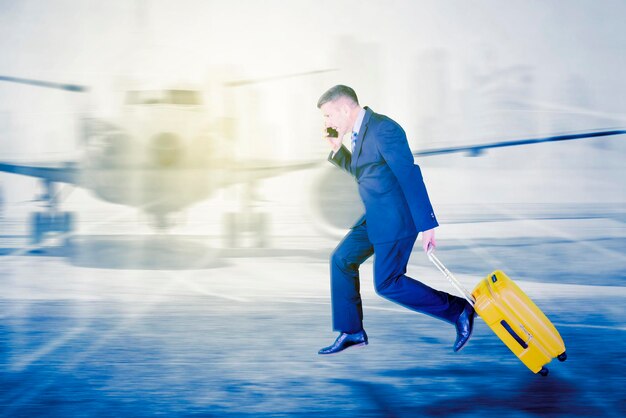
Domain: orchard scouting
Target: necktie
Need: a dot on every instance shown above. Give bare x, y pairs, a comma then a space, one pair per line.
354, 136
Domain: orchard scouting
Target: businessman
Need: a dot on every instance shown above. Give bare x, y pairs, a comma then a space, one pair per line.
397, 209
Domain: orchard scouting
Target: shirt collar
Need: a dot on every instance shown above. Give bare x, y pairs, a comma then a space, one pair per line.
358, 122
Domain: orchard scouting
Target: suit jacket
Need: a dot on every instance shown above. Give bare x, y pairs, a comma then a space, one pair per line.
390, 183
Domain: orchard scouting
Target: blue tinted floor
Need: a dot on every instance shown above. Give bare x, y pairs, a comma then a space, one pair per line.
192, 359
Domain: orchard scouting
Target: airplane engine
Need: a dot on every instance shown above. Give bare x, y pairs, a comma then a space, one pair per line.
335, 202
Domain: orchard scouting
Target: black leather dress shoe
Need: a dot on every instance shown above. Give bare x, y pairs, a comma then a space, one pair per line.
344, 341
464, 327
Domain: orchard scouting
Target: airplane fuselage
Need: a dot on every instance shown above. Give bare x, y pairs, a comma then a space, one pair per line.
160, 156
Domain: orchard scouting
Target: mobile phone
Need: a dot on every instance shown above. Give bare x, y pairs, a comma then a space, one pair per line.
332, 132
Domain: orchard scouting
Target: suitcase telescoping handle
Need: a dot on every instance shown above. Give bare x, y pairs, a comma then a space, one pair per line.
457, 285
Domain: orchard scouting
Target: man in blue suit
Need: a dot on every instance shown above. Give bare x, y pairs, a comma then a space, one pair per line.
397, 209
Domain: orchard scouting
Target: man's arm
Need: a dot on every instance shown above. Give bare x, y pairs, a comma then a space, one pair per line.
394, 147
342, 159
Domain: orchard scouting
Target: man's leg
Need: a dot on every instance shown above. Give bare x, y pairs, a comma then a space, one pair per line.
391, 282
351, 252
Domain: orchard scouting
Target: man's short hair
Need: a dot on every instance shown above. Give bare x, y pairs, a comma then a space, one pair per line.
335, 93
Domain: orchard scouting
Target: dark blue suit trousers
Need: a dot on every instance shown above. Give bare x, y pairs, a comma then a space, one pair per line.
390, 281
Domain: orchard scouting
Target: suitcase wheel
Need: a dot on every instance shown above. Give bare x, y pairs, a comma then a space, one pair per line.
562, 356
544, 371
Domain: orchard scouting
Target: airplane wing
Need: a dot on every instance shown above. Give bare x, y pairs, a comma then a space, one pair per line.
229, 175
45, 84
478, 149
57, 173
258, 170
251, 171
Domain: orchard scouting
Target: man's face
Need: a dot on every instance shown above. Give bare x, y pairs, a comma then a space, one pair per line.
336, 115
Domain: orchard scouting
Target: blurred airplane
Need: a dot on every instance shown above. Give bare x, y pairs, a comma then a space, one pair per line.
162, 158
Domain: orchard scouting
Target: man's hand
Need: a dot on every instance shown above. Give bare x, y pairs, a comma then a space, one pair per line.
334, 142
428, 239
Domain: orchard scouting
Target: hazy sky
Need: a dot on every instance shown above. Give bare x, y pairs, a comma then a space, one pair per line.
574, 51
78, 38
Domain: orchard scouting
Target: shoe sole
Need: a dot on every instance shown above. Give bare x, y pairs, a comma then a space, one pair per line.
359, 345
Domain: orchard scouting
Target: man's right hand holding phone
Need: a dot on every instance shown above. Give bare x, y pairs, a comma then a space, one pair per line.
333, 138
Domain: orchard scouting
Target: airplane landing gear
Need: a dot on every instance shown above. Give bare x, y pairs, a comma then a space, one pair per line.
52, 220
247, 228
241, 224
45, 222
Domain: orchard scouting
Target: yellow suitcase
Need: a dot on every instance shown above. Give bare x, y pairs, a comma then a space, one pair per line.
514, 317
